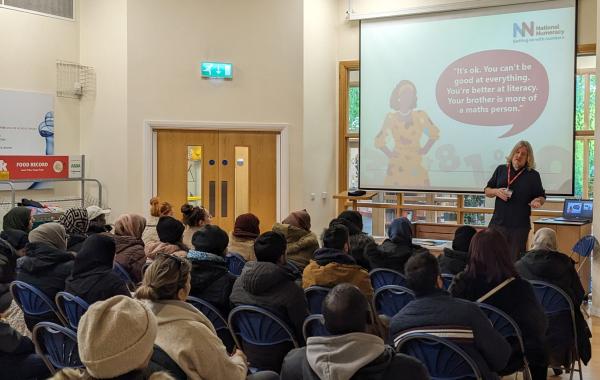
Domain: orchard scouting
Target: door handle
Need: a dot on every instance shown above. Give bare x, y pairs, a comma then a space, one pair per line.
211, 197
224, 199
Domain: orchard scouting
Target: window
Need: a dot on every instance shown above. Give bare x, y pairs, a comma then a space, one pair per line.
585, 119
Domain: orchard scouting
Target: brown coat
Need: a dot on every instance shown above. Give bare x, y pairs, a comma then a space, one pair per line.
244, 247
301, 244
130, 254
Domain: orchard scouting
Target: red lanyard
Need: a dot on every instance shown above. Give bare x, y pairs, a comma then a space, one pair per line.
508, 174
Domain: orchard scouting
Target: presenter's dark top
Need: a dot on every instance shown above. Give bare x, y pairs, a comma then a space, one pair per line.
515, 212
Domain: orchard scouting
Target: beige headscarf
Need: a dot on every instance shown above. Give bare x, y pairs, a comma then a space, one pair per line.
130, 225
52, 234
544, 238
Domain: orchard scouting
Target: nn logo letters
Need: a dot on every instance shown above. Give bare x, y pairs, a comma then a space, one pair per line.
523, 29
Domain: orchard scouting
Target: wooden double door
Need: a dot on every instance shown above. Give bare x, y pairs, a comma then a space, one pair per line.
227, 173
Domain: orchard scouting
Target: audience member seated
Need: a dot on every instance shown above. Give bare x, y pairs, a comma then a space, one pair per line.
16, 224
491, 277
18, 359
8, 263
116, 340
129, 244
76, 223
350, 353
245, 231
211, 280
157, 209
97, 218
361, 244
434, 308
396, 249
269, 283
184, 333
93, 278
301, 242
170, 234
46, 265
454, 261
194, 218
545, 263
333, 265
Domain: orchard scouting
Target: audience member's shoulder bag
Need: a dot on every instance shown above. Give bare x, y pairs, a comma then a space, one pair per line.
495, 290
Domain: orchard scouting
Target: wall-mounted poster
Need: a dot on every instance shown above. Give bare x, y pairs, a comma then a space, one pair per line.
26, 126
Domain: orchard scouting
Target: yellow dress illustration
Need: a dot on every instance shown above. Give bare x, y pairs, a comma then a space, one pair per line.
406, 126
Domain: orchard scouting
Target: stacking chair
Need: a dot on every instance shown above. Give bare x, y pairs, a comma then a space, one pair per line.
235, 263
315, 296
381, 277
32, 301
584, 248
215, 317
120, 271
263, 337
509, 329
71, 308
314, 325
57, 345
443, 359
390, 299
556, 303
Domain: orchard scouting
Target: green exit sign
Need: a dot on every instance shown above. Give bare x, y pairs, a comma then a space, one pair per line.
218, 70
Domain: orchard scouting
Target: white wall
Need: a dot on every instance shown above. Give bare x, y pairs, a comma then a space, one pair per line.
320, 110
103, 36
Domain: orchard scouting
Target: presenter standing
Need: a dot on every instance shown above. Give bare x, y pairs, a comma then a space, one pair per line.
518, 188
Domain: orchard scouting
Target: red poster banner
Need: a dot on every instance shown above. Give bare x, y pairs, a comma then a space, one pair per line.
34, 167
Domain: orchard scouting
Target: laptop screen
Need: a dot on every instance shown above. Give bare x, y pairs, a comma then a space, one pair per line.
578, 209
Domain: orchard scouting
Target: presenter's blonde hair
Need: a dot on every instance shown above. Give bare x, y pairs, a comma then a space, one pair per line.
530, 158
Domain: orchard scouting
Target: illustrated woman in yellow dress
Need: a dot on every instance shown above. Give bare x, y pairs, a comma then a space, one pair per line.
406, 126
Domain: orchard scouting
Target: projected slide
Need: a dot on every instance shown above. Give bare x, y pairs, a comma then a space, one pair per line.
445, 98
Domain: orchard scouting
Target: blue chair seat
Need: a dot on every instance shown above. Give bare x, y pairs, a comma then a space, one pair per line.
57, 345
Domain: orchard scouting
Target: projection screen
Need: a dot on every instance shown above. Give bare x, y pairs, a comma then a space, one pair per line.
444, 97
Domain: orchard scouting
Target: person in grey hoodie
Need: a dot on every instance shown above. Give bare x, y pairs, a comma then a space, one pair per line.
349, 353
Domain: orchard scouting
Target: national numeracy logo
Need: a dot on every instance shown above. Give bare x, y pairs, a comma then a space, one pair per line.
530, 31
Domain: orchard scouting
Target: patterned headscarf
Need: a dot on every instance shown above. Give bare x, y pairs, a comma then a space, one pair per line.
75, 220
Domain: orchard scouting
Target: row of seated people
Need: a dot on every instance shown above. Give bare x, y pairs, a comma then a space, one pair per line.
331, 264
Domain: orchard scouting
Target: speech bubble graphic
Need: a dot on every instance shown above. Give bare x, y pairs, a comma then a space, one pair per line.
494, 88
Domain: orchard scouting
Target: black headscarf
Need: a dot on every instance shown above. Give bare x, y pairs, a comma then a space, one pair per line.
92, 263
17, 219
400, 231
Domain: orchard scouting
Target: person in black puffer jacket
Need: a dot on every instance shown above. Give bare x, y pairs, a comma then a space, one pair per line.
46, 265
395, 251
361, 244
211, 281
8, 265
93, 278
545, 263
454, 261
490, 265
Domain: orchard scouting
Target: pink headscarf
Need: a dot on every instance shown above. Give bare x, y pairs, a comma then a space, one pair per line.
130, 225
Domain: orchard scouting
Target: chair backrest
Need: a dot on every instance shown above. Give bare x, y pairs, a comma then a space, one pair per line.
123, 275
258, 326
390, 299
216, 318
32, 300
382, 277
555, 301
585, 246
57, 345
447, 279
71, 308
504, 324
314, 325
235, 263
442, 358
315, 296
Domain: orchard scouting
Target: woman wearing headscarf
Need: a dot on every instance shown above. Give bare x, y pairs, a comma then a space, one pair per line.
454, 260
46, 265
245, 231
361, 244
93, 278
301, 242
545, 263
129, 244
76, 223
395, 251
16, 224
170, 233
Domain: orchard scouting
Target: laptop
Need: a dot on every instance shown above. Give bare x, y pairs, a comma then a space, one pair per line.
577, 210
